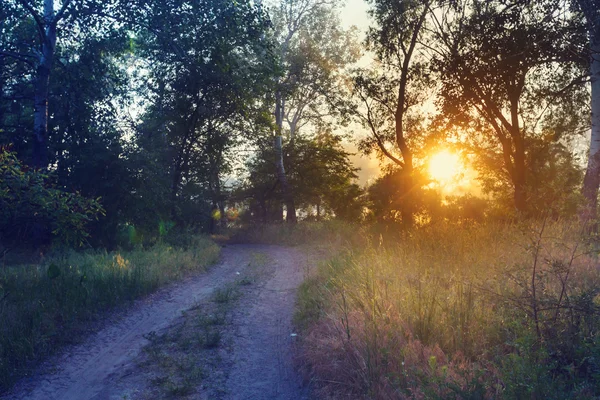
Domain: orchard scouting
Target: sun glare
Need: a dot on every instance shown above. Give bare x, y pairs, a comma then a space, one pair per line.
444, 166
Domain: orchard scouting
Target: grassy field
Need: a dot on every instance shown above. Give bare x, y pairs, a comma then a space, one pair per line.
48, 304
454, 312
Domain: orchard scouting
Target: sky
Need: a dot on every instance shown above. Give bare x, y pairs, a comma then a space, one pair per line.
355, 13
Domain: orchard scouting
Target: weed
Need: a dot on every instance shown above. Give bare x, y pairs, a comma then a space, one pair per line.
224, 295
457, 312
209, 338
43, 306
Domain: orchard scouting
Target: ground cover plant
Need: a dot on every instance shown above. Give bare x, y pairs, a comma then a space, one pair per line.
49, 304
486, 311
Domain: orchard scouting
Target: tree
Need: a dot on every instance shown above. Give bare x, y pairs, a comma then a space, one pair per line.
48, 19
591, 182
395, 192
28, 198
208, 67
88, 90
313, 51
320, 171
500, 62
385, 98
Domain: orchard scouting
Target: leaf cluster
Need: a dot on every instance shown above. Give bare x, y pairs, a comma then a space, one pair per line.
31, 207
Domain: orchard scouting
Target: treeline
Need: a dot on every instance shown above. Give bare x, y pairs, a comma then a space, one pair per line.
152, 114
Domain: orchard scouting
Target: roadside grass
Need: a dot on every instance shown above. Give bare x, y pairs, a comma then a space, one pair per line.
180, 360
455, 312
46, 305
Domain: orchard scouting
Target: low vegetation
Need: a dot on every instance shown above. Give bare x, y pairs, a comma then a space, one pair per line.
496, 311
48, 304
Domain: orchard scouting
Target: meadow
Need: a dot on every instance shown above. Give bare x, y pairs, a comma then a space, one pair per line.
54, 302
498, 311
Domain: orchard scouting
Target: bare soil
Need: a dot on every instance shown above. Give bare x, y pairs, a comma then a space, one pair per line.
246, 355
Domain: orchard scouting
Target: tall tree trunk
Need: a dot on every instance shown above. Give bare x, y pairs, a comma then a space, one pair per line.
591, 181
42, 83
319, 210
519, 168
520, 195
281, 175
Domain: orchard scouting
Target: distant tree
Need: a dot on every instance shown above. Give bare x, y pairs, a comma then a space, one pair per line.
313, 51
321, 173
554, 178
397, 193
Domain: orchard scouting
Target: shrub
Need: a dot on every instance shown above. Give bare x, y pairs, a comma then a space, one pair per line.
32, 210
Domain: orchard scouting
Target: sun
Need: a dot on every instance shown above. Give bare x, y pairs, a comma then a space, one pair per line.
444, 166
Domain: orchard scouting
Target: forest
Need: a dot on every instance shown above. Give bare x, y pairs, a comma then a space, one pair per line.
446, 153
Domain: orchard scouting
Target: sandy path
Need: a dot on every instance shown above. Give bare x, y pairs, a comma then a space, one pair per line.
261, 350
262, 367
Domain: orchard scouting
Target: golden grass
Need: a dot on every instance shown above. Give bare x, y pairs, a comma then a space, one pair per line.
449, 311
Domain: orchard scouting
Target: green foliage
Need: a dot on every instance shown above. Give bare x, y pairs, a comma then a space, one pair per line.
507, 96
398, 195
45, 306
553, 185
32, 209
206, 94
320, 173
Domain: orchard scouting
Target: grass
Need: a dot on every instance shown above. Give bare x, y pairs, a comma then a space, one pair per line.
496, 311
46, 305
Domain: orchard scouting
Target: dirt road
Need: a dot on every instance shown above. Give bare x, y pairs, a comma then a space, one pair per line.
260, 349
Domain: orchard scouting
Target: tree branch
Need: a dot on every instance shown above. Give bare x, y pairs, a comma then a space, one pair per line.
26, 58
61, 12
380, 143
38, 20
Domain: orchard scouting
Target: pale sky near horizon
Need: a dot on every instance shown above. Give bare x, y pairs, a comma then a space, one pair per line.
355, 13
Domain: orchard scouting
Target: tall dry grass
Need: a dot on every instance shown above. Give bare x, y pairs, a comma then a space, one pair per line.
495, 311
46, 305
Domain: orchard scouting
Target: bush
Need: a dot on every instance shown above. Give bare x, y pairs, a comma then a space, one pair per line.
32, 210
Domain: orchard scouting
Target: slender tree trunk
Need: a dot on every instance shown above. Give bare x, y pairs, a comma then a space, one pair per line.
591, 181
219, 196
281, 175
407, 213
42, 83
519, 170
520, 195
